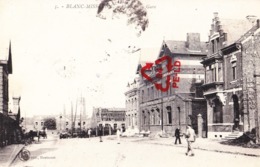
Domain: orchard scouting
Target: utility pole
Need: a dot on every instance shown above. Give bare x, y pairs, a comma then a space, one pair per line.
80, 113
72, 123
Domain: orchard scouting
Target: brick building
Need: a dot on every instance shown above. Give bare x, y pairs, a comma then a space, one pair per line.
229, 86
179, 106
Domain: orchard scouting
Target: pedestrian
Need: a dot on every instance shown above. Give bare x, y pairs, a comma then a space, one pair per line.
100, 133
177, 135
89, 133
118, 133
38, 135
190, 137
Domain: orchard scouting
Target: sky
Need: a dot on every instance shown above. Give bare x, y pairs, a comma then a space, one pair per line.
61, 54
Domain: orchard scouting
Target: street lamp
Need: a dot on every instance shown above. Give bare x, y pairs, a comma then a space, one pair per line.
60, 122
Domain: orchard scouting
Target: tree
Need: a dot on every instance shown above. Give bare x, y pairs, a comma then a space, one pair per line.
133, 9
50, 123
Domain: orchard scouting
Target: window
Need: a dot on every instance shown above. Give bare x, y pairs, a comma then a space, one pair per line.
143, 118
213, 46
217, 44
36, 123
169, 117
234, 70
179, 113
135, 119
115, 126
148, 94
41, 123
152, 93
149, 118
213, 73
142, 95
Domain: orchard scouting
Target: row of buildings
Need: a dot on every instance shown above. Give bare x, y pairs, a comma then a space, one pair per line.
10, 121
74, 120
108, 118
214, 86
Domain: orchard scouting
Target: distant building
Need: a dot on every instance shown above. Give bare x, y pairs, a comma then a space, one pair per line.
182, 102
73, 121
109, 118
230, 82
62, 122
132, 106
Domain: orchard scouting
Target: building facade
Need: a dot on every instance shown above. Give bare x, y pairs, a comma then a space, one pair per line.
229, 86
132, 107
109, 118
10, 130
166, 109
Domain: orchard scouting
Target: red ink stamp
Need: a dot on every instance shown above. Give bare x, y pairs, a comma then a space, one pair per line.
169, 67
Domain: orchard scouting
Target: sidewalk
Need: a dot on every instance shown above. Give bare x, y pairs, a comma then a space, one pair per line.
201, 144
9, 153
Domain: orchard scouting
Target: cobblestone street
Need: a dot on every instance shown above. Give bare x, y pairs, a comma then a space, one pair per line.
85, 152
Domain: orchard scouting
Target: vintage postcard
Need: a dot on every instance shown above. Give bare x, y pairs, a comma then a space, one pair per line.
129, 83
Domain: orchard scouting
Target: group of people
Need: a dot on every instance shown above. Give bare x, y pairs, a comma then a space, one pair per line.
118, 134
190, 137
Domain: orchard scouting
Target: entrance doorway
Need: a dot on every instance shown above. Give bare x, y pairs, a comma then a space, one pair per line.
236, 112
217, 111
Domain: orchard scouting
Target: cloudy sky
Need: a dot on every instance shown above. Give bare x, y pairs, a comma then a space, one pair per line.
61, 53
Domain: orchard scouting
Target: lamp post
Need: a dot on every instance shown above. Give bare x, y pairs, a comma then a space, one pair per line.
60, 122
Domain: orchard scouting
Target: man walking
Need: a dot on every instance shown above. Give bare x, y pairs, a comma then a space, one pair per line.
190, 137
177, 136
118, 133
100, 132
89, 133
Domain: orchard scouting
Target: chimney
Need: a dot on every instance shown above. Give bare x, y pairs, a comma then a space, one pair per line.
215, 14
193, 41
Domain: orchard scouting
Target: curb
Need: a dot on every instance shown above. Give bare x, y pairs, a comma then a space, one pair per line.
144, 140
213, 150
13, 157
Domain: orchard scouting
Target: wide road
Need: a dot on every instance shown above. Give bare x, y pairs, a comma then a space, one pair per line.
92, 153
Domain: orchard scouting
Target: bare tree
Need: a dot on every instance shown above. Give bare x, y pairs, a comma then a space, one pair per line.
133, 9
